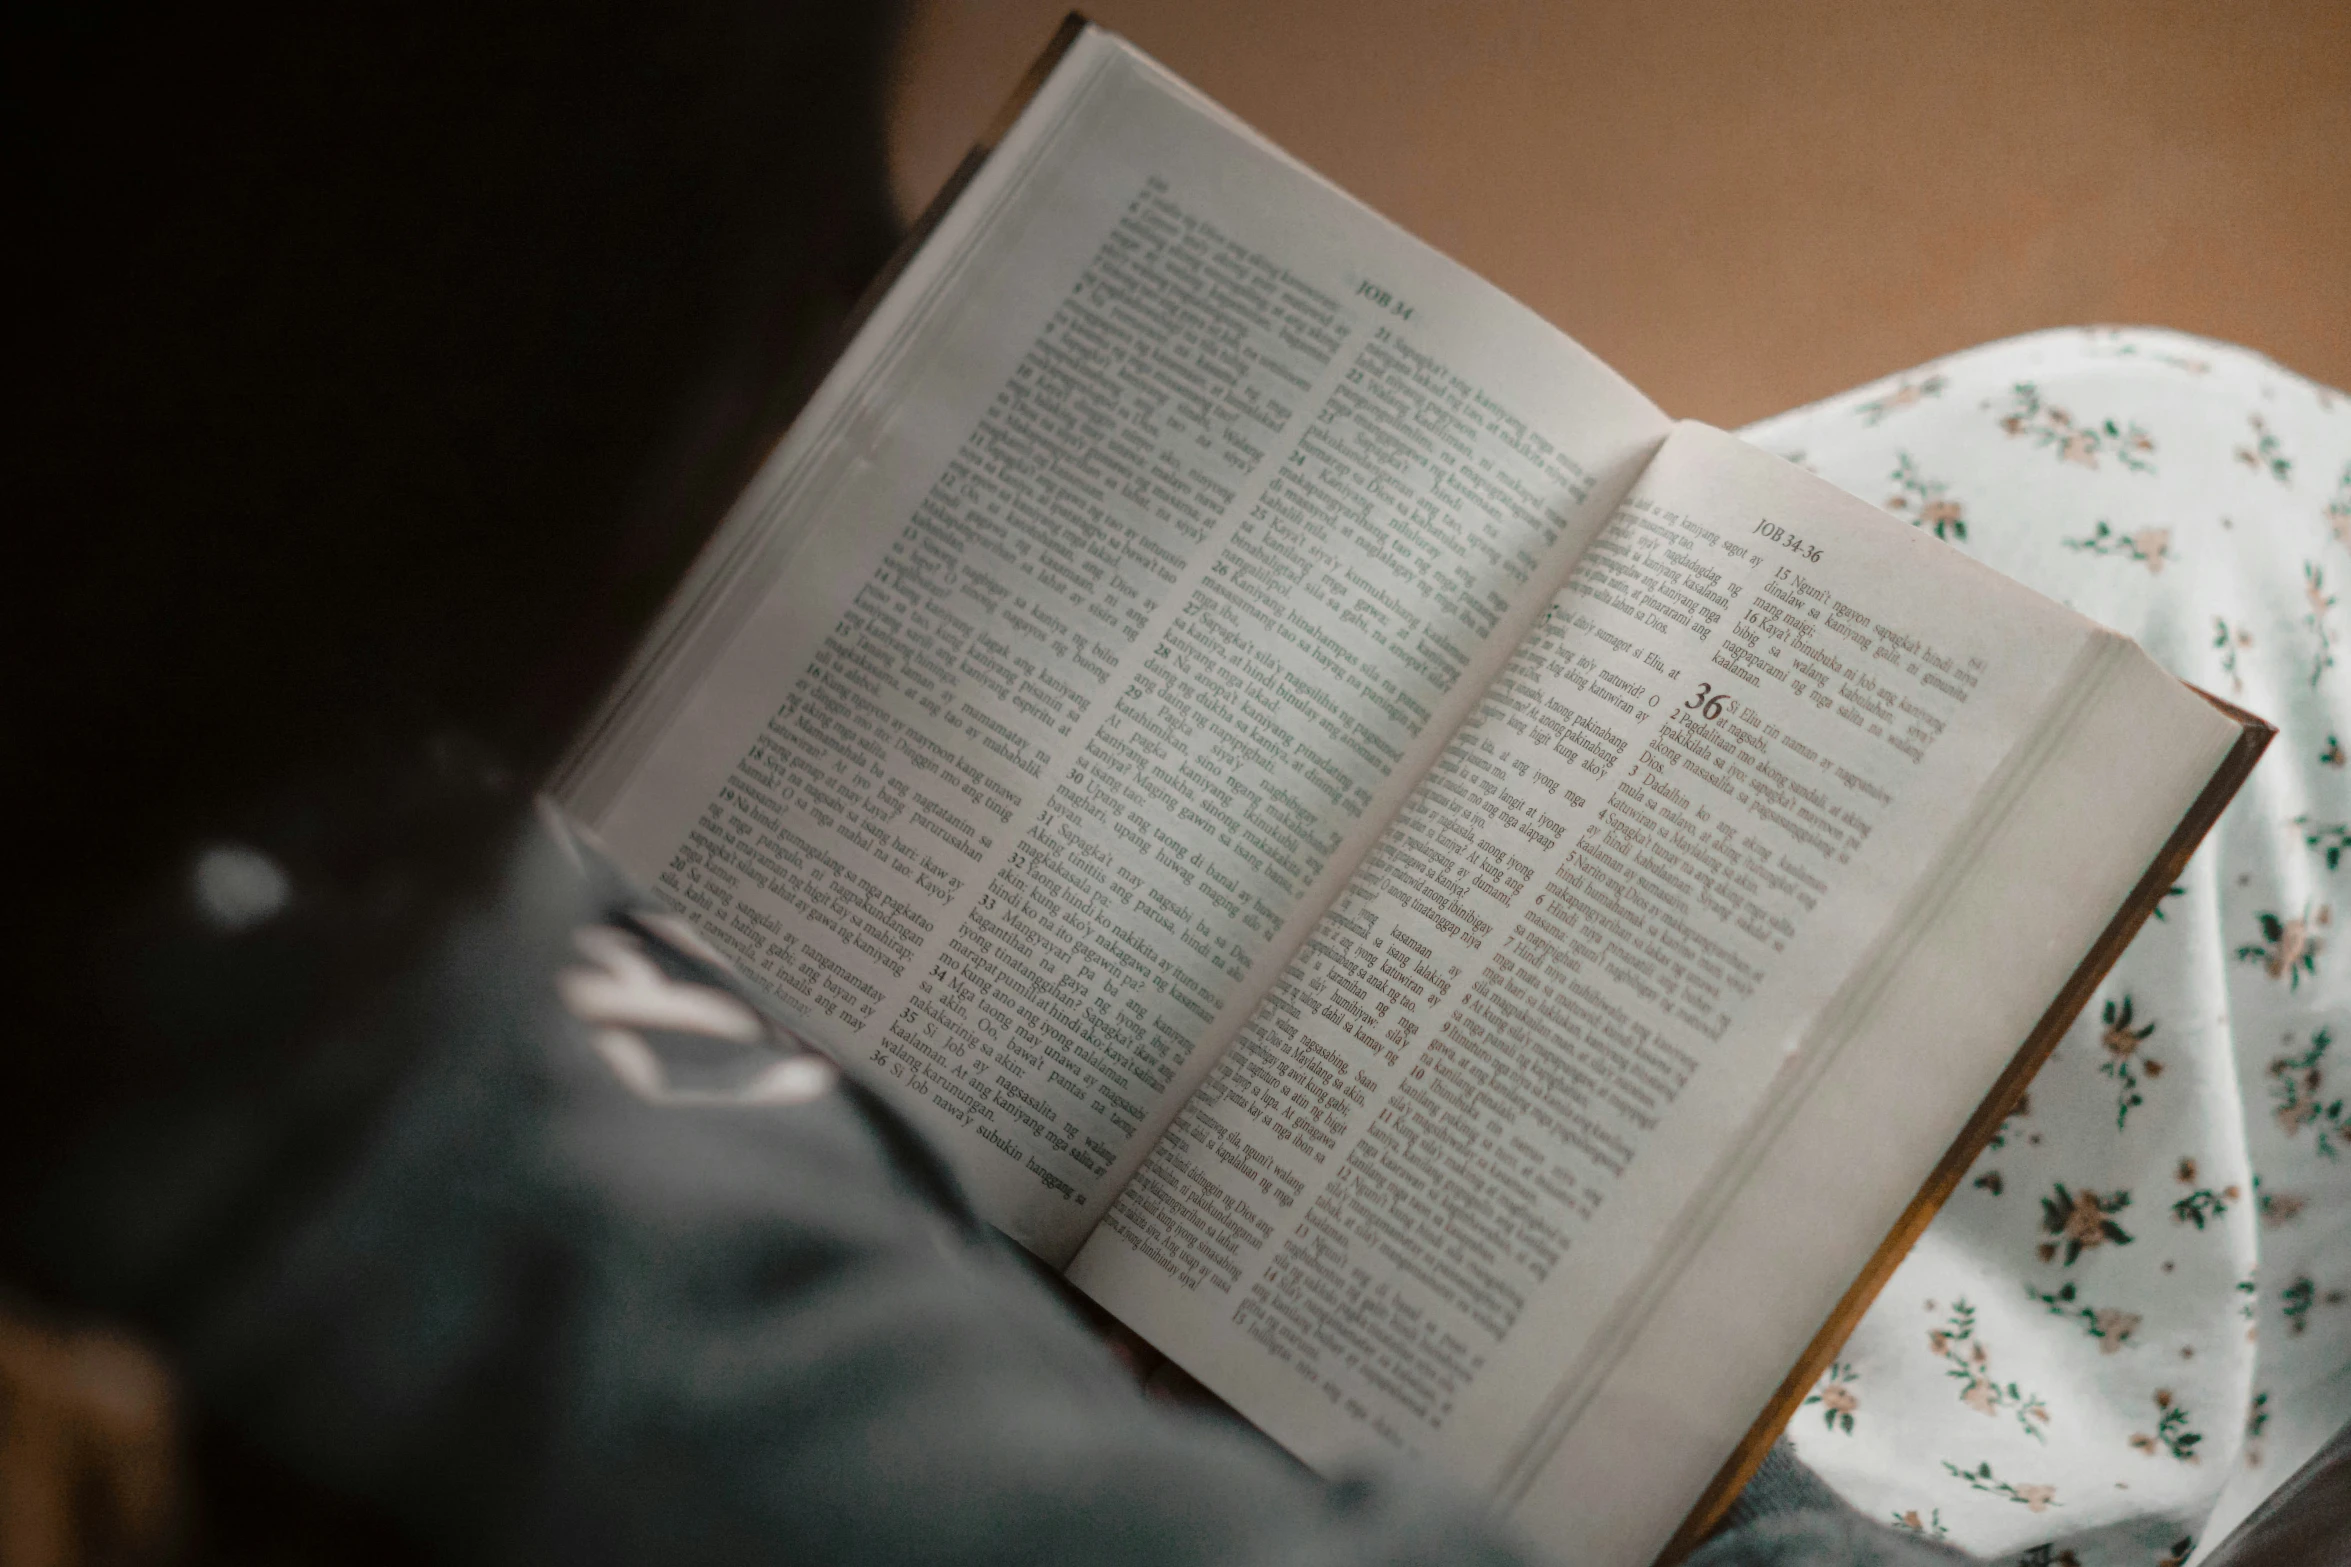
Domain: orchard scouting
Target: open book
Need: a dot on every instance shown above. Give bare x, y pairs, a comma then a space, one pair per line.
1477, 918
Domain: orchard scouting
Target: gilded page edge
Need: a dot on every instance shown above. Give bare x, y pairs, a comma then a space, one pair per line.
802, 389
918, 233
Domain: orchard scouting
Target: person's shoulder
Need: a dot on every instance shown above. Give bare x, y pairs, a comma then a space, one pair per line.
661, 1008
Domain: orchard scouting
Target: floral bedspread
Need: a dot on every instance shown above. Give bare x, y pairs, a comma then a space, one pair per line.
2135, 1316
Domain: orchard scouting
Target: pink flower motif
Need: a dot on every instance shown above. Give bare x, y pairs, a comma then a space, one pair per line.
2036, 1498
2291, 945
2085, 1221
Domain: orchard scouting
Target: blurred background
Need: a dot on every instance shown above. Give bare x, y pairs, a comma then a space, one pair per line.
1744, 207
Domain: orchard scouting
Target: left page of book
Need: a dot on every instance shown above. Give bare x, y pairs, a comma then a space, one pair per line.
1153, 535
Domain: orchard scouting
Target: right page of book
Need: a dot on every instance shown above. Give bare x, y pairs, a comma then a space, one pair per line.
1669, 870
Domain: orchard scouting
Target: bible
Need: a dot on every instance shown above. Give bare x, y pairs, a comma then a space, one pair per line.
1478, 918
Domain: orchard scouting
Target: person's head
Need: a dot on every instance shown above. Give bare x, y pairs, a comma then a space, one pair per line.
386, 367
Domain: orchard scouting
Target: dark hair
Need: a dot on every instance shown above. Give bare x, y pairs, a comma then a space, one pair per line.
387, 366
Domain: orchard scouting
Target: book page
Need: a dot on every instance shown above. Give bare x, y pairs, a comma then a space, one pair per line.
1477, 1111
1811, 1206
1167, 529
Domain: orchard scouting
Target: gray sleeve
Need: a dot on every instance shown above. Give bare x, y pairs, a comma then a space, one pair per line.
514, 1292
507, 1287
1788, 1517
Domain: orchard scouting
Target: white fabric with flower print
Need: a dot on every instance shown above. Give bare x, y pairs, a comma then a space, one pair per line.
2135, 1316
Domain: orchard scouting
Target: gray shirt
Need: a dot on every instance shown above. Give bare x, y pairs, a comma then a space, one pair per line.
561, 1251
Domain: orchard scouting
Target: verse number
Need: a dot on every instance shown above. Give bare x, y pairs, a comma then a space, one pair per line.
1708, 703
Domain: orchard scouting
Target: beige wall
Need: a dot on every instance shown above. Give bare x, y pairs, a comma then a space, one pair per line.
1746, 206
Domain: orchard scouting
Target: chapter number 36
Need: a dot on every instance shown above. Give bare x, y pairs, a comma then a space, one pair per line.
1708, 703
